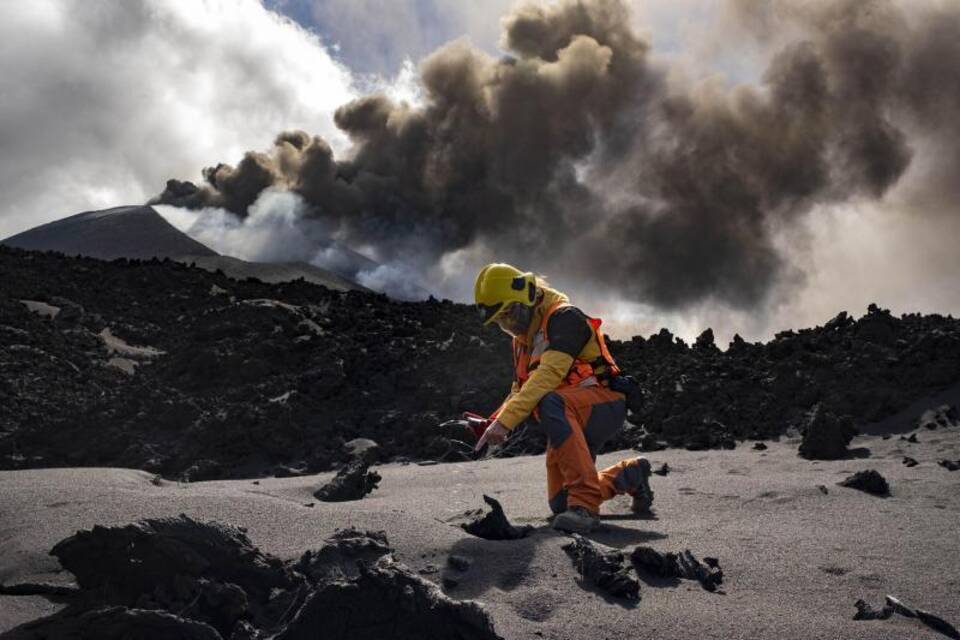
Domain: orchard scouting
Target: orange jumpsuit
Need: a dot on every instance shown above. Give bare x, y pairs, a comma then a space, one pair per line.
569, 398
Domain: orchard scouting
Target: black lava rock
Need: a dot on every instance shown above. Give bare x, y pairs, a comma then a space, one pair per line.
869, 481
603, 567
678, 565
494, 524
825, 436
352, 482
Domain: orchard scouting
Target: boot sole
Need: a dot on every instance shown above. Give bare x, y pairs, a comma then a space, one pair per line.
569, 527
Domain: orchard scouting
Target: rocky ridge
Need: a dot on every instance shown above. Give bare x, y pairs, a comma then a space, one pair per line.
156, 365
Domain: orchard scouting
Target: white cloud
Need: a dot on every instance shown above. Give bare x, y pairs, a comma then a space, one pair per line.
274, 230
376, 36
102, 102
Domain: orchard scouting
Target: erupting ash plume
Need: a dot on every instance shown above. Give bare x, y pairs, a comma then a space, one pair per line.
579, 154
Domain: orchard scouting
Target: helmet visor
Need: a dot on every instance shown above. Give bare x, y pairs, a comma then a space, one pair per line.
487, 311
515, 319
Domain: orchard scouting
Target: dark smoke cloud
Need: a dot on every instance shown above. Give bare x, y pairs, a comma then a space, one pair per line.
576, 154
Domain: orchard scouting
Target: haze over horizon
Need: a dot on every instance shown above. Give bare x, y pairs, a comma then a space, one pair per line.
741, 165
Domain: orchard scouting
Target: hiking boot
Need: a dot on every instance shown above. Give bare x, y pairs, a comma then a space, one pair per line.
576, 520
643, 495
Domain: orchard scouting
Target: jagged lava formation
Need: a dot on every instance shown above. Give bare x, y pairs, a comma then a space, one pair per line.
156, 365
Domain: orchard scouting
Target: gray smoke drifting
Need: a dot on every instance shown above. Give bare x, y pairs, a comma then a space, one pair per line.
578, 154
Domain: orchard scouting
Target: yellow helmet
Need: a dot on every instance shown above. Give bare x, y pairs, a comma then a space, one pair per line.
500, 284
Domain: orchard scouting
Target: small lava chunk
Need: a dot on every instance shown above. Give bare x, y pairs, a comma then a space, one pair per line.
494, 525
352, 482
603, 567
869, 480
678, 565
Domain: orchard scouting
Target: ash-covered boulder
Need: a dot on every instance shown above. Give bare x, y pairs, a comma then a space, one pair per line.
869, 481
344, 552
173, 563
386, 600
352, 482
603, 567
826, 436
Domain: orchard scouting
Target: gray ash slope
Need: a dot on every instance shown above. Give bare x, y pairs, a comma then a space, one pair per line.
139, 232
120, 232
242, 377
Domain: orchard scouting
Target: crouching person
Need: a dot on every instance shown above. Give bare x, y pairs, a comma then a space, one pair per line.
562, 375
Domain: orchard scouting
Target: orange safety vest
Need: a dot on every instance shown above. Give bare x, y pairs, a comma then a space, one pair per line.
582, 373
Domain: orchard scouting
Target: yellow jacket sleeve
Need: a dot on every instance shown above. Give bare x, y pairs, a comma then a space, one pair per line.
553, 367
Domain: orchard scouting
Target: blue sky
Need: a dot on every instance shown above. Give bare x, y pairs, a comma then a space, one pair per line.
376, 36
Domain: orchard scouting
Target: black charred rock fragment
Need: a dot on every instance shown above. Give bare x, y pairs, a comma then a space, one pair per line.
909, 462
869, 481
950, 465
825, 436
823, 489
494, 525
894, 605
352, 482
662, 470
604, 567
678, 565
386, 600
912, 438
759, 446
939, 418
